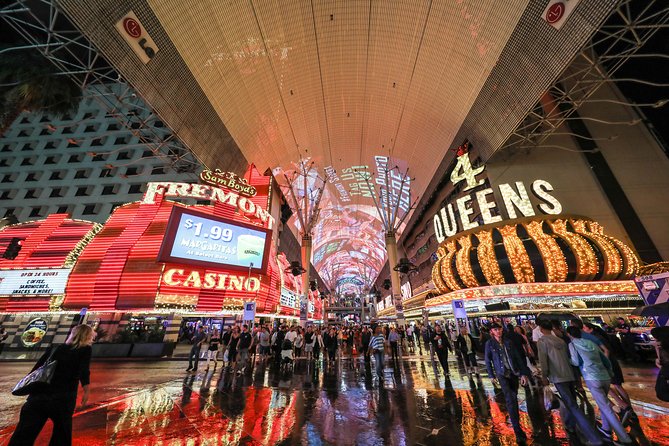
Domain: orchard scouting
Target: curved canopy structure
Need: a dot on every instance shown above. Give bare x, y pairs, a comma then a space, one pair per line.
343, 83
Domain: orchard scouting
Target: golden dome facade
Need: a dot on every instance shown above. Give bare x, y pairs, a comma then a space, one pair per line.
527, 250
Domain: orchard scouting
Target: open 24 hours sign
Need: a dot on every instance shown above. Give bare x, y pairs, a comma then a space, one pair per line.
33, 282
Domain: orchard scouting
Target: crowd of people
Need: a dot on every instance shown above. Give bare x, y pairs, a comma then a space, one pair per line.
558, 360
537, 354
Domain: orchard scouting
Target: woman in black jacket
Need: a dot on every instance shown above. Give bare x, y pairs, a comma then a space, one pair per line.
59, 400
468, 346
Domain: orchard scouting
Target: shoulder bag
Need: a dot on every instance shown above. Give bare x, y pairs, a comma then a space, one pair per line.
662, 384
38, 379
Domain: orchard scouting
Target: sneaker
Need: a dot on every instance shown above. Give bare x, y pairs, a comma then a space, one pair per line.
189, 369
606, 435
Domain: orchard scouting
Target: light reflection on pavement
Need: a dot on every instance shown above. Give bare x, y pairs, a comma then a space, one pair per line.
156, 403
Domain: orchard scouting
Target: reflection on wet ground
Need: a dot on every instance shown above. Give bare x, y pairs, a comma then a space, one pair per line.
340, 404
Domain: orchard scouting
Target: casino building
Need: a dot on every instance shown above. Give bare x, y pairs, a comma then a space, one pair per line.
152, 264
516, 235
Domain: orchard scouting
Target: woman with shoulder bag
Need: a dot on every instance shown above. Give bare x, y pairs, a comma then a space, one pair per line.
58, 400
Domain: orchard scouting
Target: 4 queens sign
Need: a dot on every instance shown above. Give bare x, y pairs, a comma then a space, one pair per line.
654, 289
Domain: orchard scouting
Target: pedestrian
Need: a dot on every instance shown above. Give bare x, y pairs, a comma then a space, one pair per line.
661, 334
319, 344
416, 334
377, 346
409, 338
212, 351
441, 346
298, 343
244, 345
331, 345
365, 337
309, 340
277, 342
617, 393
394, 338
425, 332
232, 348
194, 355
58, 401
507, 368
596, 371
468, 346
556, 368
263, 342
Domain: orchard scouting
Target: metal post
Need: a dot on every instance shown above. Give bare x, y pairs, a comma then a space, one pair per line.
391, 247
304, 298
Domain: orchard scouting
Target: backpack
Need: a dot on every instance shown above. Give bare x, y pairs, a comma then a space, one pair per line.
286, 345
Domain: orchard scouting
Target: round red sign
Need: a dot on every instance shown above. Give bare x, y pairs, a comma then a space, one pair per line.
555, 12
131, 26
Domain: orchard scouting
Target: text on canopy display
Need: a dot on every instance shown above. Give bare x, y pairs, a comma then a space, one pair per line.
456, 217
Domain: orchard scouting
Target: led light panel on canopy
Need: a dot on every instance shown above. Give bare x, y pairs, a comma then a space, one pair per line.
348, 245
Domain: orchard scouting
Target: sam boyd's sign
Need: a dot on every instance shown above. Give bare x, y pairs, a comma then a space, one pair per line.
33, 282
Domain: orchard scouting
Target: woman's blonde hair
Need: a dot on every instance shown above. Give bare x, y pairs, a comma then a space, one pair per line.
80, 336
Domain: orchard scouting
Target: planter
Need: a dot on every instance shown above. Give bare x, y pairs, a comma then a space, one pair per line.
168, 349
148, 350
111, 350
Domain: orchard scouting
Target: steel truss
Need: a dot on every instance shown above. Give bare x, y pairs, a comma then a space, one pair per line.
45, 27
621, 38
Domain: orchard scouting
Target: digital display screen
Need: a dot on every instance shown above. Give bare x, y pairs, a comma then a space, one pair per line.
196, 238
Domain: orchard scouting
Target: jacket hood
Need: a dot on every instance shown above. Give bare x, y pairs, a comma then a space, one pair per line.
584, 345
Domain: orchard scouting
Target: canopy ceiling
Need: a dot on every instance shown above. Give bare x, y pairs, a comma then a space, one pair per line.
335, 82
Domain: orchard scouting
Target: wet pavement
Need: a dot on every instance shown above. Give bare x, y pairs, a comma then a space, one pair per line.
157, 403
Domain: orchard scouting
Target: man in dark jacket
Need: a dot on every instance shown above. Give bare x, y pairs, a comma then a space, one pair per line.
506, 367
441, 346
278, 341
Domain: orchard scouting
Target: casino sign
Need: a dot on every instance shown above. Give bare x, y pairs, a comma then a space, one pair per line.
510, 243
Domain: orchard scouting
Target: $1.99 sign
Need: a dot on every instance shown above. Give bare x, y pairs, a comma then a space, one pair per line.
194, 237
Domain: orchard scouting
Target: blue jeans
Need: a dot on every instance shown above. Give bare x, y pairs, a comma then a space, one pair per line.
572, 414
510, 390
194, 354
379, 358
600, 390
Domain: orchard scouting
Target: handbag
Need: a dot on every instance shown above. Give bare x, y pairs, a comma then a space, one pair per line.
38, 379
551, 400
662, 384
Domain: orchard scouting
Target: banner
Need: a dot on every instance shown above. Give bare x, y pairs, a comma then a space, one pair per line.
33, 282
654, 289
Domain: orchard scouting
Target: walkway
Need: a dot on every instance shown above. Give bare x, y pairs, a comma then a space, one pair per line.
157, 403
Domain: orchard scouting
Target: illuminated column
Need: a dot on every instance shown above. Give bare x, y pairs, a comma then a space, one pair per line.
391, 248
306, 263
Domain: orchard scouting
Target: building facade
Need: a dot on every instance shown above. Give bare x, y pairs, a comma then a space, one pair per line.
85, 164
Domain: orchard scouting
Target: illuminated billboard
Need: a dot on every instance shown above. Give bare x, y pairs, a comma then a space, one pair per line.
201, 239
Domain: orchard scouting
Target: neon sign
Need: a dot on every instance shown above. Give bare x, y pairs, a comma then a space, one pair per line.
158, 190
229, 180
515, 198
211, 281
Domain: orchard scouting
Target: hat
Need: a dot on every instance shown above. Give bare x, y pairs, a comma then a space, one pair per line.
495, 325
